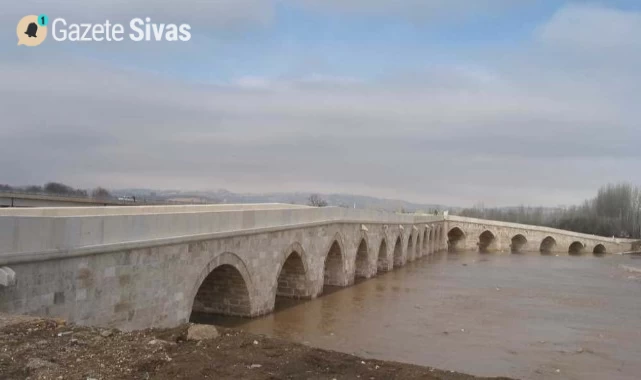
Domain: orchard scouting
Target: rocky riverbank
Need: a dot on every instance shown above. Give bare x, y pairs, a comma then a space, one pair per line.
34, 348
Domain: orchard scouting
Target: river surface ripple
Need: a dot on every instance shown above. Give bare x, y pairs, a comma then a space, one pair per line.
526, 316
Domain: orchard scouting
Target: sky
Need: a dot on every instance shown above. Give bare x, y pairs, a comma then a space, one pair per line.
456, 102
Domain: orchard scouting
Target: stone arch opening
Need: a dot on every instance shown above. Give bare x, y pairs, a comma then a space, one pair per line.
548, 245
398, 253
576, 248
223, 291
455, 239
519, 243
292, 280
333, 274
410, 248
362, 262
433, 239
487, 241
599, 249
426, 235
382, 263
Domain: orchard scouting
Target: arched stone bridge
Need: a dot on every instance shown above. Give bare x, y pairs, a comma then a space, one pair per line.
491, 236
155, 266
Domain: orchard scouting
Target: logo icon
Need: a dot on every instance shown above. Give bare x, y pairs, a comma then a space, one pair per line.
32, 30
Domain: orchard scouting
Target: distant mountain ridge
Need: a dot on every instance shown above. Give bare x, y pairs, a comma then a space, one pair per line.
335, 199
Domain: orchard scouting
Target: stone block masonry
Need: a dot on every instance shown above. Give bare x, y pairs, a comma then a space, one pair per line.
138, 268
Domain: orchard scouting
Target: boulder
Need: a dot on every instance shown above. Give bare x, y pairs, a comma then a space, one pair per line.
201, 332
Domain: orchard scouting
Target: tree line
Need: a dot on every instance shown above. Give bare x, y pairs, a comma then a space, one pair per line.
57, 188
614, 211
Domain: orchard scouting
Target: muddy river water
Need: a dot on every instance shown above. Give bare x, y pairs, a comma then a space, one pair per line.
520, 315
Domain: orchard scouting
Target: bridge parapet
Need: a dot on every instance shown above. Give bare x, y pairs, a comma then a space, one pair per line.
27, 234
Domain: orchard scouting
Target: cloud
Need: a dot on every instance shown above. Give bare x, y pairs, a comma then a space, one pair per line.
225, 14
592, 28
413, 9
532, 128
206, 14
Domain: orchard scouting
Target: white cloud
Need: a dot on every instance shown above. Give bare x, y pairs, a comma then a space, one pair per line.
413, 9
250, 82
546, 126
593, 28
206, 14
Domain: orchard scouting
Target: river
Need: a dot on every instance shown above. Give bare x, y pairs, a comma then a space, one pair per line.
526, 316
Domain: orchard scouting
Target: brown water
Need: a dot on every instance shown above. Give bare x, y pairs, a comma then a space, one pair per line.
526, 316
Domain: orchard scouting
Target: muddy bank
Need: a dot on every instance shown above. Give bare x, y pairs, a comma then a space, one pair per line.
32, 348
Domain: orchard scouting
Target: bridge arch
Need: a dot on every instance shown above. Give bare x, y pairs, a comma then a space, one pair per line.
293, 279
382, 262
434, 238
519, 243
599, 249
361, 262
487, 241
419, 244
548, 245
334, 270
223, 287
576, 248
411, 247
426, 234
435, 232
455, 239
431, 233
398, 252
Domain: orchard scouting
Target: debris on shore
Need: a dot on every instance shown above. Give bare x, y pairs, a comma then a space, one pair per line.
38, 349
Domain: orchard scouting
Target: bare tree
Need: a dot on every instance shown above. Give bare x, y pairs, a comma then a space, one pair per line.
62, 189
58, 188
315, 200
615, 211
33, 189
100, 193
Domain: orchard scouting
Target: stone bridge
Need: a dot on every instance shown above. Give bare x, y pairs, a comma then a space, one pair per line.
154, 266
493, 236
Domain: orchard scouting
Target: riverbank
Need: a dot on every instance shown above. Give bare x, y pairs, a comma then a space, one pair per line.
37, 348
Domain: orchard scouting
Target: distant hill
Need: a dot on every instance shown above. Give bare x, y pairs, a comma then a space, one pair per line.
226, 196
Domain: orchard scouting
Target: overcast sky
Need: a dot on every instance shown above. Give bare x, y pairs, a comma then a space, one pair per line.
438, 101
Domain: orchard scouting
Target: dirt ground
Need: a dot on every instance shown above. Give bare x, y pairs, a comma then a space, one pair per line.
33, 348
